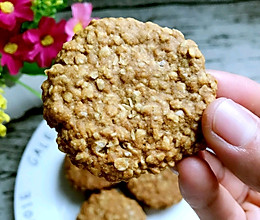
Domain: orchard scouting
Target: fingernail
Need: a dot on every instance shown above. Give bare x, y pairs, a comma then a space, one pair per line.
234, 123
174, 170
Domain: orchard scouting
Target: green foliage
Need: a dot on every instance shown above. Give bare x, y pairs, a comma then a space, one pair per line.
32, 69
44, 8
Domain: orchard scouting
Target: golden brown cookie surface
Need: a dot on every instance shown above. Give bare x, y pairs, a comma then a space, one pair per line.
110, 205
127, 97
83, 179
156, 191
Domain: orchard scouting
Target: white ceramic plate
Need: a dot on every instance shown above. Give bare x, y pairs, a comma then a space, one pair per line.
42, 192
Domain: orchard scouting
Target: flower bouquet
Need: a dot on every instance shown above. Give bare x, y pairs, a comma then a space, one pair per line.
31, 38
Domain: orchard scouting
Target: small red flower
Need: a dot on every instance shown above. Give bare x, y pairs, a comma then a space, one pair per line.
47, 41
13, 50
13, 12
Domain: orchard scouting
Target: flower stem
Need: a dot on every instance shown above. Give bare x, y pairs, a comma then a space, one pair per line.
33, 91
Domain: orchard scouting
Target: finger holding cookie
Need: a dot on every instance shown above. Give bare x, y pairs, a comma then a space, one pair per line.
231, 127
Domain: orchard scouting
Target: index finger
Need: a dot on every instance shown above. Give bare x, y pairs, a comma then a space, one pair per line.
240, 89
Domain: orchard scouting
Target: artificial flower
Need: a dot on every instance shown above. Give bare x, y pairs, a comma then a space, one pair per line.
81, 13
13, 12
47, 41
13, 50
3, 116
30, 39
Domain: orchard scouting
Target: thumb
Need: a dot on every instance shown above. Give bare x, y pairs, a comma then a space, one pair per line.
233, 133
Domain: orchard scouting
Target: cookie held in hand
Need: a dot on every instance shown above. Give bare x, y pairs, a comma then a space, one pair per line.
126, 97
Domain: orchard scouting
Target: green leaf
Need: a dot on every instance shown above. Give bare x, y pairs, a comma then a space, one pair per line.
32, 69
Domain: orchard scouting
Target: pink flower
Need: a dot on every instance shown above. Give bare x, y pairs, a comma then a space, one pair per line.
13, 12
13, 50
81, 13
47, 41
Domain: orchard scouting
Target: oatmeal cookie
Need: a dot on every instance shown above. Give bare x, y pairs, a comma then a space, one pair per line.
126, 97
82, 179
156, 191
110, 205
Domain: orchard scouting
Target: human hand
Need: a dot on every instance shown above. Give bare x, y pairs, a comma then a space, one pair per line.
226, 185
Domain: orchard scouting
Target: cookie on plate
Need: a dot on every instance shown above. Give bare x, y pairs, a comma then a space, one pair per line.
156, 191
82, 179
110, 205
126, 97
